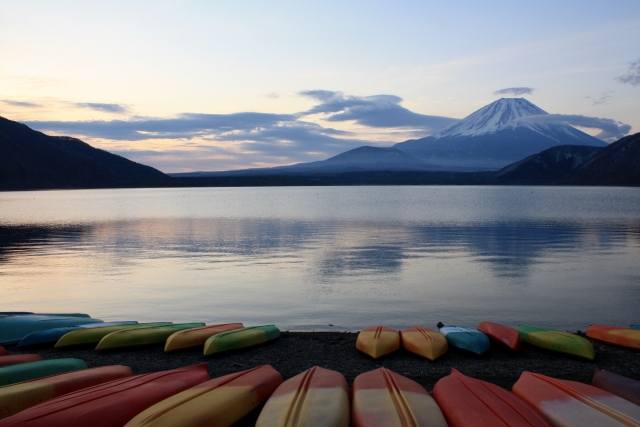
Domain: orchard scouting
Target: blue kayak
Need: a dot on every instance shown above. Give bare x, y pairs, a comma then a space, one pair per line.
42, 368
51, 336
635, 327
466, 339
14, 328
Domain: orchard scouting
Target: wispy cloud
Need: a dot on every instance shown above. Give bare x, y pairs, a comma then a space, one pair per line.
105, 108
603, 98
610, 129
20, 103
515, 91
633, 74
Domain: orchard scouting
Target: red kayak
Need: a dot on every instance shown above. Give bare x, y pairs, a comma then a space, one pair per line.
14, 359
110, 404
2, 351
504, 335
621, 386
468, 402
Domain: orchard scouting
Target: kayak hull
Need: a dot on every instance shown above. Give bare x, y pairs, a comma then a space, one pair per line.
562, 342
42, 368
382, 398
218, 402
427, 343
624, 337
621, 386
197, 336
501, 334
468, 339
3, 352
378, 341
86, 336
468, 402
240, 338
15, 328
51, 336
142, 336
14, 359
315, 398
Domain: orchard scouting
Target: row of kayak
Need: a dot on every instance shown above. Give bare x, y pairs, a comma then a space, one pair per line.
113, 396
430, 344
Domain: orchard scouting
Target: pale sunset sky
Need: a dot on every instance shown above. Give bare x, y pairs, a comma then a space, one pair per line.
218, 85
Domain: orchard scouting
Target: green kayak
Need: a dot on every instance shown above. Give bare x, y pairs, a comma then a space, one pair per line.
240, 338
142, 336
14, 328
562, 342
94, 335
42, 368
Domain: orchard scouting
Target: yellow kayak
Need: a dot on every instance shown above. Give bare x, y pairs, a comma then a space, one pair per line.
142, 336
94, 335
559, 341
197, 336
378, 341
424, 342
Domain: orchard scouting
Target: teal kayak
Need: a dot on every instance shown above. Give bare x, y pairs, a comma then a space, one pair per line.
635, 327
42, 368
466, 339
14, 328
51, 336
240, 338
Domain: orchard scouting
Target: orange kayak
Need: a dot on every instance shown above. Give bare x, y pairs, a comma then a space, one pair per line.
220, 402
111, 404
20, 396
197, 336
378, 341
501, 334
14, 359
427, 343
621, 386
315, 398
382, 398
572, 404
468, 402
623, 337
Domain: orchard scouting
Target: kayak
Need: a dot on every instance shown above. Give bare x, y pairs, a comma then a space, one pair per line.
623, 337
466, 339
2, 351
23, 313
142, 336
379, 341
636, 327
218, 402
572, 404
469, 402
317, 397
240, 338
14, 313
503, 335
41, 368
51, 336
18, 397
382, 398
94, 335
197, 336
111, 404
617, 384
13, 329
14, 359
424, 342
562, 342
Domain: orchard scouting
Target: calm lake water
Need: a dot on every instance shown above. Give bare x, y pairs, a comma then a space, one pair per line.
327, 258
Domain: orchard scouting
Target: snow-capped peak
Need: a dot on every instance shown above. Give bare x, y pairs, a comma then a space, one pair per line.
494, 117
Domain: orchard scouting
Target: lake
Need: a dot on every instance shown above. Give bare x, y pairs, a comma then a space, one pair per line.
327, 258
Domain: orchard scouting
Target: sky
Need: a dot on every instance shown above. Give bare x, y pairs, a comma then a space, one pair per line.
219, 85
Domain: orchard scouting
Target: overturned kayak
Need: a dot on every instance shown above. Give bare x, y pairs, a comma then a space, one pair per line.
2, 351
110, 404
617, 384
240, 338
636, 327
468, 339
572, 404
624, 337
382, 398
501, 334
18, 397
559, 341
379, 341
197, 336
14, 328
51, 336
218, 402
142, 336
424, 342
86, 336
468, 402
18, 358
42, 368
315, 398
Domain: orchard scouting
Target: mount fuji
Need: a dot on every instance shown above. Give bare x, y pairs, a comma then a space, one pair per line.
493, 137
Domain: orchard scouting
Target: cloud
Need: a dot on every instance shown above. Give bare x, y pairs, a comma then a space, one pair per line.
20, 103
273, 95
515, 91
604, 97
633, 74
106, 108
379, 111
610, 129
